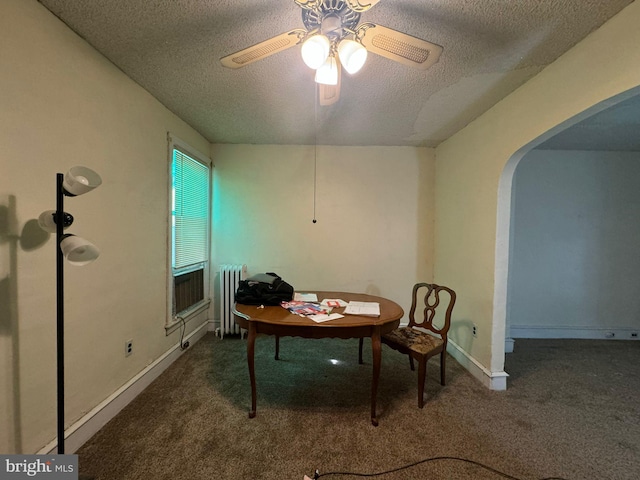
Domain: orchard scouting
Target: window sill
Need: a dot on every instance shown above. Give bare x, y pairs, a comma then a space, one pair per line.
187, 316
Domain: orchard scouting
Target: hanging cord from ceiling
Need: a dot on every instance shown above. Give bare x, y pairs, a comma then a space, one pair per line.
315, 151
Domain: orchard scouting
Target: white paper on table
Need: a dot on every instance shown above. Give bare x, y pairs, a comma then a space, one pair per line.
333, 302
367, 309
305, 297
323, 317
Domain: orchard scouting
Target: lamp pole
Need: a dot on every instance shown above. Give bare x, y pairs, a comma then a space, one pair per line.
60, 308
77, 251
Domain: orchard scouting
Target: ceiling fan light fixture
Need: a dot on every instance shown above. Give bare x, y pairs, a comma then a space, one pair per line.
333, 37
327, 74
315, 51
352, 55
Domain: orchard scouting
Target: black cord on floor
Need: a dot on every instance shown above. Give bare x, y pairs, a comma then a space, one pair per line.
185, 345
426, 460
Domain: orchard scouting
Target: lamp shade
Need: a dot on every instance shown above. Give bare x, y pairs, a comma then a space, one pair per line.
47, 221
79, 180
78, 251
315, 51
352, 55
328, 72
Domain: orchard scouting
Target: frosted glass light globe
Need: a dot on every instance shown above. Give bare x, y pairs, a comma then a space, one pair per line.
328, 73
352, 55
315, 51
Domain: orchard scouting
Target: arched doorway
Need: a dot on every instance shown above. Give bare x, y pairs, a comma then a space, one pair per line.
608, 126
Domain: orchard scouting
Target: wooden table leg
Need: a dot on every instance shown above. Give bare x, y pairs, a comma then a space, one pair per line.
376, 347
251, 343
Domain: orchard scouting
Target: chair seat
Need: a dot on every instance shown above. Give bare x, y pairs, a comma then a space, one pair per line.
415, 340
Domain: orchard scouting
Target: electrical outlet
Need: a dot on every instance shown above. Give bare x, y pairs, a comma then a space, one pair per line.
474, 330
128, 348
634, 334
609, 335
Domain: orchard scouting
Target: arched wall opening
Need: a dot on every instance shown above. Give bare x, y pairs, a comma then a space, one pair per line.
560, 135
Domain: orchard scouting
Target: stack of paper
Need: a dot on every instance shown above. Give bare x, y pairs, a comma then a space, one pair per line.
365, 309
305, 297
319, 318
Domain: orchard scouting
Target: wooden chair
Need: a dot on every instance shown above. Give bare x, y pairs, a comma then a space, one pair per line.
421, 339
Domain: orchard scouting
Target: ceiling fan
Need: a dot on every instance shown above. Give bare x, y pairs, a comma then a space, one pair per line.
334, 39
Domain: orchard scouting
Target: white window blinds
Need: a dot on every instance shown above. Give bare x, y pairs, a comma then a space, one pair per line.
190, 213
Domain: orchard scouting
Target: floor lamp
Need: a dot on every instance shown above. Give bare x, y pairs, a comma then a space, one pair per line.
77, 251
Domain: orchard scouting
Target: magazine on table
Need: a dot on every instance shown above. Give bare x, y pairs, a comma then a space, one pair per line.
305, 308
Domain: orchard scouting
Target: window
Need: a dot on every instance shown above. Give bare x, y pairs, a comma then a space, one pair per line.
190, 227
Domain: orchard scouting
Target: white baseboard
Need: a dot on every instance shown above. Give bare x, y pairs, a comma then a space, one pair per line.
491, 380
508, 345
585, 333
87, 426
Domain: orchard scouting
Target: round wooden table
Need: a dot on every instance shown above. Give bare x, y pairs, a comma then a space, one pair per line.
280, 322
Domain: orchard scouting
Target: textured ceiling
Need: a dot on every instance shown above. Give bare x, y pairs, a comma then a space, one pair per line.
172, 49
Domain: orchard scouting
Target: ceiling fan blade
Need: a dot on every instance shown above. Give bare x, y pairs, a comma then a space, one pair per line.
358, 6
264, 49
329, 94
398, 46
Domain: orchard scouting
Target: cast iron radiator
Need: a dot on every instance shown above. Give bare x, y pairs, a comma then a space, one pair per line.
230, 276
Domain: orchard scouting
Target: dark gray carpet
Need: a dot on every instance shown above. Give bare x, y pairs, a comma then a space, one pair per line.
571, 411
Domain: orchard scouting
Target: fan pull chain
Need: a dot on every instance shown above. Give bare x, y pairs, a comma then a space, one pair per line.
315, 152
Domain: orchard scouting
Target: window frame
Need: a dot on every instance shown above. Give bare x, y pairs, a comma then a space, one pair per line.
173, 320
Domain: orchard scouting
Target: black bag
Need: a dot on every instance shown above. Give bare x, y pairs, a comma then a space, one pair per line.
263, 289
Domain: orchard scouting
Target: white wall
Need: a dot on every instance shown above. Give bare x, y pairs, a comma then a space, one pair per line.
574, 263
473, 198
63, 104
374, 210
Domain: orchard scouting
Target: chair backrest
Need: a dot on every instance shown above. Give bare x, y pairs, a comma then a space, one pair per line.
431, 301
